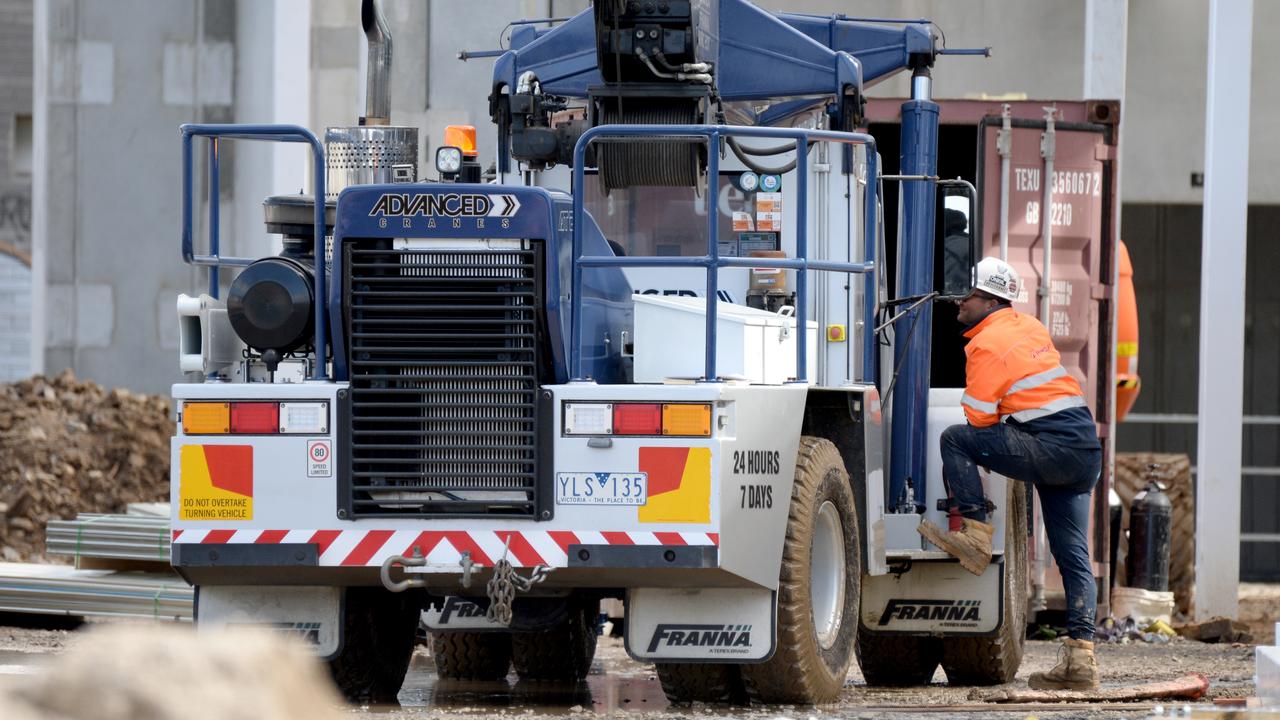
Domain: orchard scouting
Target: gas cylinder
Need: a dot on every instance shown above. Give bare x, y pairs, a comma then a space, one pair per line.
1150, 529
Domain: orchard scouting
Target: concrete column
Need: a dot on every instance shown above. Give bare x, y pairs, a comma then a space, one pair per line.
39, 182
273, 85
291, 99
1222, 293
1106, 24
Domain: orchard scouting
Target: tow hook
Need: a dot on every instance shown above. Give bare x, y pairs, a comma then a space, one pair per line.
416, 560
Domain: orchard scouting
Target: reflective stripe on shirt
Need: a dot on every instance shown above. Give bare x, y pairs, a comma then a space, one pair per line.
1032, 381
1047, 409
979, 405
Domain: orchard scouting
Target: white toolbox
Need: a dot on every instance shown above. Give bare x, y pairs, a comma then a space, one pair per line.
751, 345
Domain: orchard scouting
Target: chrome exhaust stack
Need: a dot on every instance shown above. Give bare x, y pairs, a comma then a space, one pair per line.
377, 103
373, 151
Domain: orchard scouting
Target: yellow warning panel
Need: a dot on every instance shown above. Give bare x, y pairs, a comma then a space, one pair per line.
216, 482
679, 485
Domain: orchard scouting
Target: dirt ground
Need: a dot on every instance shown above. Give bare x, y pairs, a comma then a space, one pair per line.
619, 686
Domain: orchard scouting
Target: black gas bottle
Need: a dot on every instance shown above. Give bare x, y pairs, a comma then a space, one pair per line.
1150, 530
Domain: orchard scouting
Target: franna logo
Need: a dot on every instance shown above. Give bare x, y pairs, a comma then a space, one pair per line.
950, 612
445, 205
723, 639
462, 608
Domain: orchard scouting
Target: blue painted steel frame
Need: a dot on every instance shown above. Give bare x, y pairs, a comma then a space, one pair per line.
213, 261
712, 262
919, 156
760, 55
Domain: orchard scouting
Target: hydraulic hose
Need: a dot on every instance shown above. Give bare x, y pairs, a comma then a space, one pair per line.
744, 154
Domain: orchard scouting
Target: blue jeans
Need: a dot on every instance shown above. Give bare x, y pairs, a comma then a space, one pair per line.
1063, 476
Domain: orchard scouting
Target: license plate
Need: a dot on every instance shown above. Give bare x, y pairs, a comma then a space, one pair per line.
602, 488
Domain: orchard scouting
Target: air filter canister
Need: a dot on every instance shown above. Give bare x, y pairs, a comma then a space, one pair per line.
369, 154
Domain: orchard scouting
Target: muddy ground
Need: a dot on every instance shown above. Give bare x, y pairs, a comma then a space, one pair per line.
619, 686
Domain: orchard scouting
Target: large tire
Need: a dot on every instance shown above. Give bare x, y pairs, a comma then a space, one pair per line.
709, 683
562, 653
897, 660
994, 660
471, 655
378, 629
817, 609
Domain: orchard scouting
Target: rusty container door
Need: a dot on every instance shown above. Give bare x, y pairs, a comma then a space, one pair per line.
1083, 213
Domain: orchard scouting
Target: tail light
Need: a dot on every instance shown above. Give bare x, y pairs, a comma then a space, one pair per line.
255, 418
639, 419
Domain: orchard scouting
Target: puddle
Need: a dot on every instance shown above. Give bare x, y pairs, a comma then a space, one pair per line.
601, 692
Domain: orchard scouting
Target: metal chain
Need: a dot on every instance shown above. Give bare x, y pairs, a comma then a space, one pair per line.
501, 591
502, 587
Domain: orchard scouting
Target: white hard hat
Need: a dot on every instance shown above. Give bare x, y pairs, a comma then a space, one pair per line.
997, 277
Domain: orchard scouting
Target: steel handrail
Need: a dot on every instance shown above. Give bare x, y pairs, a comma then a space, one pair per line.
214, 261
712, 262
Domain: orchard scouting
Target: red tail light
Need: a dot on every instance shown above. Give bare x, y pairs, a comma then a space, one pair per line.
637, 419
255, 418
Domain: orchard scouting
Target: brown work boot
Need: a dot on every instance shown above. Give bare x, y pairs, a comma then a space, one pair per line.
971, 545
1077, 669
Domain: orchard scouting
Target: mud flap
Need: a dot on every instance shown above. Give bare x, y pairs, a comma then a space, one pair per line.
935, 598
706, 625
312, 614
466, 614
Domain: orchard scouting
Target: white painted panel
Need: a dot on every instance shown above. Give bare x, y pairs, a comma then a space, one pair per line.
177, 69
95, 315
97, 73
15, 319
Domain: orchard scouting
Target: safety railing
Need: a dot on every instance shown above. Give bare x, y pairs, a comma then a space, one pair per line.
712, 261
214, 260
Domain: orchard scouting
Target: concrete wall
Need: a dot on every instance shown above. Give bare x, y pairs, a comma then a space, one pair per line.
15, 188
114, 79
113, 82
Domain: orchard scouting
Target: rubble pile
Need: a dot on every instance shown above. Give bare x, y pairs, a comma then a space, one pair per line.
70, 446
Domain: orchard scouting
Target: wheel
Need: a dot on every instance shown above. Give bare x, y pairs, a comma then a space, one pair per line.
994, 660
471, 655
819, 585
897, 660
378, 629
709, 683
563, 652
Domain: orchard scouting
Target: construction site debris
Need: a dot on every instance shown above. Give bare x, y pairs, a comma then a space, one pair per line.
1128, 629
61, 590
70, 446
1215, 630
1191, 686
170, 673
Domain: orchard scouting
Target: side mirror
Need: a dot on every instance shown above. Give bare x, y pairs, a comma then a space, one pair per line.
956, 248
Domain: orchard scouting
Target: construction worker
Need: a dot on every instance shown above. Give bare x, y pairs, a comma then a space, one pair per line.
1028, 421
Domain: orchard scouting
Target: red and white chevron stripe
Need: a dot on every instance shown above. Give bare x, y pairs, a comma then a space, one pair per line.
354, 548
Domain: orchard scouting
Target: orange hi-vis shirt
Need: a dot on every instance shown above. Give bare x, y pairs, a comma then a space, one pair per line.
1014, 372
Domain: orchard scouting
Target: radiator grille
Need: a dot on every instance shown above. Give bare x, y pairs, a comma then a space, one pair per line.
443, 359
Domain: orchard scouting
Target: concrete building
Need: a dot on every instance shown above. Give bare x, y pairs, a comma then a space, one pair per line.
15, 189
115, 78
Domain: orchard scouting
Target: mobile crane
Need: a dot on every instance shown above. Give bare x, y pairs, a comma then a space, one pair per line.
655, 357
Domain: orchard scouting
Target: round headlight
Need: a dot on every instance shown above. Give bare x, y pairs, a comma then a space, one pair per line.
448, 159
270, 304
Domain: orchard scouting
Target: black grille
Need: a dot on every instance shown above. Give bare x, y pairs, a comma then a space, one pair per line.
443, 355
